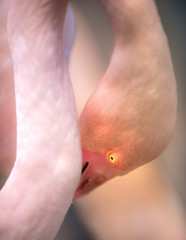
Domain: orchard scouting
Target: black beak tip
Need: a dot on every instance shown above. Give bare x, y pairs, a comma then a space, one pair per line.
84, 167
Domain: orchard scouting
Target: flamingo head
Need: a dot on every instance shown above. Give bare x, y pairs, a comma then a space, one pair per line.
96, 169
122, 129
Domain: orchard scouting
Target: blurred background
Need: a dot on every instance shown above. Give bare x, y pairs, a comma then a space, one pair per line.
150, 202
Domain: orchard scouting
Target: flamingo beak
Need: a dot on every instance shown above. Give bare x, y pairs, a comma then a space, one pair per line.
95, 170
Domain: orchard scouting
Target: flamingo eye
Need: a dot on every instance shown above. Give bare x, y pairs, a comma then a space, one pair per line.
112, 157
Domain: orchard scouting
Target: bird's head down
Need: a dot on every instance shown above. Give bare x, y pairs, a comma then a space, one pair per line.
130, 117
124, 130
96, 169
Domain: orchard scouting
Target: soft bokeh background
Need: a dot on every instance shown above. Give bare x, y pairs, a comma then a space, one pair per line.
150, 202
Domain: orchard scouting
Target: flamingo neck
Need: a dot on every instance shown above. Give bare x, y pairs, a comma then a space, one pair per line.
41, 185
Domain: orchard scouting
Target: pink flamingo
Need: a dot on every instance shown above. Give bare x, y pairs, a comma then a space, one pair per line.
128, 120
40, 188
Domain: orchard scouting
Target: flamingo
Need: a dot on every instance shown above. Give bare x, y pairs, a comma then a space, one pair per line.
127, 121
130, 117
40, 187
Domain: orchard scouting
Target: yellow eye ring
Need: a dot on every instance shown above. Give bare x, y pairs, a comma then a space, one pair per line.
112, 157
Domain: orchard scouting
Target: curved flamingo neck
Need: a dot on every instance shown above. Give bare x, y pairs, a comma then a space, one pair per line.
41, 185
133, 109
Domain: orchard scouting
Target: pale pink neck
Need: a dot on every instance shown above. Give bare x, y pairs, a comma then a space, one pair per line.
41, 185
